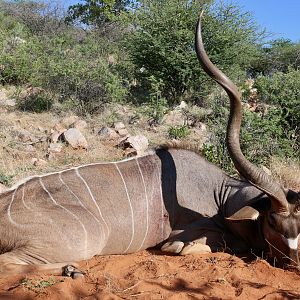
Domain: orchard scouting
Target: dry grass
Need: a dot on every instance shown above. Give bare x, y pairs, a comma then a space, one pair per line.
287, 172
16, 156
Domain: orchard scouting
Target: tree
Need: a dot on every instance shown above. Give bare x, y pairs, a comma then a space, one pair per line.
162, 44
97, 12
279, 55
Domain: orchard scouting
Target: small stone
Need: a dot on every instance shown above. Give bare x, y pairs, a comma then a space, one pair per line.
55, 136
55, 147
75, 138
41, 129
59, 128
25, 136
38, 162
182, 105
106, 133
69, 120
119, 125
79, 124
123, 132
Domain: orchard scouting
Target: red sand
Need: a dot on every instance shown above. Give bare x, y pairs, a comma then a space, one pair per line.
149, 275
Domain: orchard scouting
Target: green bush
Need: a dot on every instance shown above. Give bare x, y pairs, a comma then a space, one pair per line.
162, 45
178, 132
283, 90
74, 71
38, 103
263, 135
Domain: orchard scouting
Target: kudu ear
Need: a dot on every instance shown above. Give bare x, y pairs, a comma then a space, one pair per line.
245, 213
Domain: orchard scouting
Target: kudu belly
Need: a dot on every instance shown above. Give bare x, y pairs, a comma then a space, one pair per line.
110, 208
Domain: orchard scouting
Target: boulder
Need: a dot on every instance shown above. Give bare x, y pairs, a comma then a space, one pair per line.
134, 145
139, 143
75, 138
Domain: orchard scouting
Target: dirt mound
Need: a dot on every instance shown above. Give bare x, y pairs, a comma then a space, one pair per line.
149, 275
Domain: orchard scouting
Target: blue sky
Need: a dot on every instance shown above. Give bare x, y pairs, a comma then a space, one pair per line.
278, 16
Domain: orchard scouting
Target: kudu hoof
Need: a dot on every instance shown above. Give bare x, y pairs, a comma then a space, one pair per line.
71, 271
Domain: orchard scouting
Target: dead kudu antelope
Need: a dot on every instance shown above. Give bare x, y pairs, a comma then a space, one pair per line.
170, 197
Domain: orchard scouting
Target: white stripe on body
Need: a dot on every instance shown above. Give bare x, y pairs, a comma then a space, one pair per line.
26, 225
77, 198
72, 214
23, 197
9, 209
147, 206
95, 202
131, 209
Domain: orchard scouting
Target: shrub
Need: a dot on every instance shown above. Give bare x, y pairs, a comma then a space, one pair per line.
283, 90
178, 132
162, 45
78, 73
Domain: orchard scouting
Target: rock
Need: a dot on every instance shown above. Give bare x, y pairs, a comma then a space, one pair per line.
182, 105
106, 133
123, 132
134, 145
38, 162
139, 143
75, 138
79, 124
56, 132
119, 125
25, 136
120, 129
55, 136
59, 128
69, 120
55, 147
3, 188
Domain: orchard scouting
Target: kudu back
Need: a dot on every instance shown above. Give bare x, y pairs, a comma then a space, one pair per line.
171, 198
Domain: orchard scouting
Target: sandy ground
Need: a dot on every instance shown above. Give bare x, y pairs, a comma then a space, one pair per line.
150, 275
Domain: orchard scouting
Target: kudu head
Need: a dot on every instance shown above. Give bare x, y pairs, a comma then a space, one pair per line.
280, 213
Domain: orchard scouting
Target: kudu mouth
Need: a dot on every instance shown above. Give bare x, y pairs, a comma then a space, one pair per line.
250, 172
285, 259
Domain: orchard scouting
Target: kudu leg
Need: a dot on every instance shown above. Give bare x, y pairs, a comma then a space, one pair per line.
201, 236
12, 264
